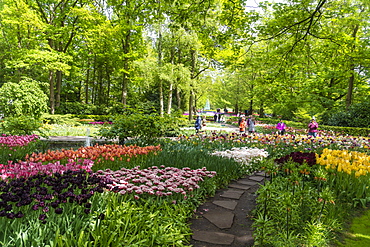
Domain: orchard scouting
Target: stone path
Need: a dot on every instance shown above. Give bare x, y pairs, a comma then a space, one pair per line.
224, 220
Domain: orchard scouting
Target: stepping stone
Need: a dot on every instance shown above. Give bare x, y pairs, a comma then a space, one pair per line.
226, 204
260, 174
244, 239
213, 237
232, 194
256, 178
222, 218
239, 186
247, 182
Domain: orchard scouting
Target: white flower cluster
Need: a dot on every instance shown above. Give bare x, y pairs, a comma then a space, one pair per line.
243, 155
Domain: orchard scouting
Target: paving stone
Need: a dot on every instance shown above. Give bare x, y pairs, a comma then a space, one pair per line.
222, 218
232, 194
244, 239
230, 204
247, 182
260, 174
239, 186
213, 237
257, 178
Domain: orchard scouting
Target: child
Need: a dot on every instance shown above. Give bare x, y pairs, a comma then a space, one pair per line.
242, 125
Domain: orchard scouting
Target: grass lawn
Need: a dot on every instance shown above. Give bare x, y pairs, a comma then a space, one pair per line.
358, 233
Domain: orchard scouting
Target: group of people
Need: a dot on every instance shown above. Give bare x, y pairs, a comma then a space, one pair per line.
312, 127
249, 124
245, 124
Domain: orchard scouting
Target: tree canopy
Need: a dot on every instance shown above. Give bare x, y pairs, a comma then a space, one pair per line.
280, 57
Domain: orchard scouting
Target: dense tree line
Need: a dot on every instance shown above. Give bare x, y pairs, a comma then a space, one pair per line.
284, 58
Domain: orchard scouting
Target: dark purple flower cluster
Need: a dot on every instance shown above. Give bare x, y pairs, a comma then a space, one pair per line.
44, 192
298, 157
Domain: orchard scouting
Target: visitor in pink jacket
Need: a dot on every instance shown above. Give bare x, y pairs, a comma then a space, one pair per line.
312, 127
281, 127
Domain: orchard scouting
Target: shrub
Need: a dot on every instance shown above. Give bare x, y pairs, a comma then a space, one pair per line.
78, 108
24, 98
358, 115
138, 125
22, 125
67, 119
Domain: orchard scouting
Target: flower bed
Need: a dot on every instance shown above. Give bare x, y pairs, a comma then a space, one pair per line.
145, 195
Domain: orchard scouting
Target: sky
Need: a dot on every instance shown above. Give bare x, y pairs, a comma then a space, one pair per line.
254, 3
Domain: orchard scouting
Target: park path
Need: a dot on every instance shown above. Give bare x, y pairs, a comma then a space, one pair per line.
225, 219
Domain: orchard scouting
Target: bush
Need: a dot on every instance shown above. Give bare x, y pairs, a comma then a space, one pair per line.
97, 118
358, 115
138, 125
75, 108
66, 119
23, 125
338, 130
23, 98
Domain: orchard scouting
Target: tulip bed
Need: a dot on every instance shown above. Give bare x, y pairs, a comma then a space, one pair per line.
144, 195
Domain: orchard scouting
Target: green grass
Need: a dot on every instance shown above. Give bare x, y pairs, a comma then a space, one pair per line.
358, 234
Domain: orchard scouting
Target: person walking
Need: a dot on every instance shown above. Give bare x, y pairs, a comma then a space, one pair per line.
312, 127
198, 123
281, 127
251, 124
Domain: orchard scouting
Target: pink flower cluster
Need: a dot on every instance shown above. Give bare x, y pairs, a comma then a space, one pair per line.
97, 123
17, 141
163, 181
26, 169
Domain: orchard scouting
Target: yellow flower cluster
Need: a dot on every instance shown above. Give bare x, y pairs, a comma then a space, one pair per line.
345, 161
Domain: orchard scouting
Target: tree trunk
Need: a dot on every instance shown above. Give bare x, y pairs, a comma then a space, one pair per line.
191, 99
93, 87
169, 105
178, 97
351, 79
87, 82
126, 66
250, 107
160, 87
108, 86
51, 92
170, 88
59, 87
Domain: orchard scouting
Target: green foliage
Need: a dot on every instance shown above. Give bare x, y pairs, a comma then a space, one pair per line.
353, 131
23, 98
358, 115
79, 108
66, 119
358, 234
296, 207
96, 118
138, 125
301, 115
21, 125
